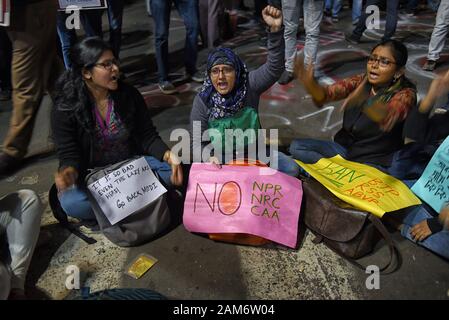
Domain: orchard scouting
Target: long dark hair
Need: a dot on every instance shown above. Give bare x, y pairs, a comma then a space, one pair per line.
70, 87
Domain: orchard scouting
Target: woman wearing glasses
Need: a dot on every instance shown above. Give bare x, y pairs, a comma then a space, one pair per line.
97, 121
375, 107
229, 100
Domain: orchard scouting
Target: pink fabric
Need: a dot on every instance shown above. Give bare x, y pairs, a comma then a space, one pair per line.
239, 199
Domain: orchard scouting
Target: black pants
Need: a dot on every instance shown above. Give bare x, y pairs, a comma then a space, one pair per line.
5, 60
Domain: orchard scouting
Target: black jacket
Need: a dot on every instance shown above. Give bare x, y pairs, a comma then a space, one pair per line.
73, 127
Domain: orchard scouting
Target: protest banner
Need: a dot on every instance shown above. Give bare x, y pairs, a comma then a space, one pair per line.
362, 186
239, 199
126, 190
433, 185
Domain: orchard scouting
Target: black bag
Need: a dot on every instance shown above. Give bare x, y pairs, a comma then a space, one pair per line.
138, 228
346, 230
61, 216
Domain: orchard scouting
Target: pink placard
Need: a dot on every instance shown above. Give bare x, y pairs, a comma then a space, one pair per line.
240, 199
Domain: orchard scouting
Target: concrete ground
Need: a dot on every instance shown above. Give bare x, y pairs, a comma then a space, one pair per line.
190, 266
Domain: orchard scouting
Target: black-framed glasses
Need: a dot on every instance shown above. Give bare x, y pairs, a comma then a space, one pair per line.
383, 62
108, 64
227, 70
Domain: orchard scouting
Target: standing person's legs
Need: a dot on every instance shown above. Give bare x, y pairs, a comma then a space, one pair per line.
34, 50
361, 25
290, 10
188, 9
213, 29
5, 61
439, 33
412, 5
356, 10
91, 21
313, 14
115, 17
259, 5
67, 38
327, 6
22, 211
161, 16
203, 15
336, 8
392, 19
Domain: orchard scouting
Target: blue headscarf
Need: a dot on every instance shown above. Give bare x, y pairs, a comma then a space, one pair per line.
225, 106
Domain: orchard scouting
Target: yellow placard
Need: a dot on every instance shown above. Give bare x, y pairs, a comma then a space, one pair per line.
362, 186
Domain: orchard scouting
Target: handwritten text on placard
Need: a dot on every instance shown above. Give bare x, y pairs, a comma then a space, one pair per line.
126, 190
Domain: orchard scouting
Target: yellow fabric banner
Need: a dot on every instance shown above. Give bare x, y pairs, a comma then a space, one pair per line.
362, 186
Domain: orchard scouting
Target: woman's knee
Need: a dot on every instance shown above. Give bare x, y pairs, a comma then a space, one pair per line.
76, 204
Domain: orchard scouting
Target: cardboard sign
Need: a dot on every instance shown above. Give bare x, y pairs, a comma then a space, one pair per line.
5, 13
238, 199
362, 186
433, 186
126, 190
83, 4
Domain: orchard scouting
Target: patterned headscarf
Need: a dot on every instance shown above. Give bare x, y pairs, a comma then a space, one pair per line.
225, 106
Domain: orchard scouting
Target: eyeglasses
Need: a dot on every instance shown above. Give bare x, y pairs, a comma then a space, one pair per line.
108, 64
383, 62
215, 72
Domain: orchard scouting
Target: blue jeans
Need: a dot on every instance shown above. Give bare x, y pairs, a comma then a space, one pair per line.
75, 202
311, 150
188, 9
391, 24
437, 242
336, 7
286, 164
432, 4
356, 10
67, 37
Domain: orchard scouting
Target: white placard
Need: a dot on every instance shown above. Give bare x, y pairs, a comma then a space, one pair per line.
126, 190
81, 3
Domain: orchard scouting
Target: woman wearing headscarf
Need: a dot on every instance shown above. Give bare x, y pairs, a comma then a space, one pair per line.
229, 99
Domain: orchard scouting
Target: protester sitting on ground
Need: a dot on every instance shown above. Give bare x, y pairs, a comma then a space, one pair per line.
99, 120
231, 92
20, 220
376, 106
427, 228
425, 133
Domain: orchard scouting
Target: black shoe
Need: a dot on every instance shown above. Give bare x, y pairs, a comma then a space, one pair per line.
8, 164
286, 77
167, 87
352, 39
430, 65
